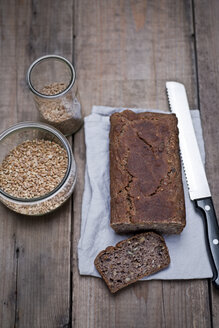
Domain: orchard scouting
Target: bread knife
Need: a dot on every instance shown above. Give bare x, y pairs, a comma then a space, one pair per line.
199, 190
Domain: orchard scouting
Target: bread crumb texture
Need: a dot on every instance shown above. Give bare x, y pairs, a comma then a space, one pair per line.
132, 259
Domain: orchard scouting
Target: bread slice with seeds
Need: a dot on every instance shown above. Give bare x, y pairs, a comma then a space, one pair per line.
132, 259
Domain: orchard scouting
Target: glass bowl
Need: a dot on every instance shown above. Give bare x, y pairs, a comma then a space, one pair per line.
51, 200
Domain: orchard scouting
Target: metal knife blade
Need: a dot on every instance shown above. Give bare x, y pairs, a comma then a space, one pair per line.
193, 166
195, 173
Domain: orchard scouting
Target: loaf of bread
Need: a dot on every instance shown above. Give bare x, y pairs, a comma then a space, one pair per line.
132, 259
145, 173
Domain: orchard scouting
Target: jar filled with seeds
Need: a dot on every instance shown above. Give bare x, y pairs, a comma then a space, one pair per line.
52, 80
37, 168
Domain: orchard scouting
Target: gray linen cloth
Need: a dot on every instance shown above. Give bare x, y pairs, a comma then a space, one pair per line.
189, 259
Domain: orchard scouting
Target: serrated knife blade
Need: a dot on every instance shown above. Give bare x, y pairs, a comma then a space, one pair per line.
192, 162
199, 190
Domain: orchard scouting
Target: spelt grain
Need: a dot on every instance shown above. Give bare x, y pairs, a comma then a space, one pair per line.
33, 169
64, 112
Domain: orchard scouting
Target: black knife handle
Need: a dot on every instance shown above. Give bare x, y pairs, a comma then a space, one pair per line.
206, 205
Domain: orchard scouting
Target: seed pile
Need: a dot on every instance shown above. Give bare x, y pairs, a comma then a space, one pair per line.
33, 169
53, 88
64, 112
58, 109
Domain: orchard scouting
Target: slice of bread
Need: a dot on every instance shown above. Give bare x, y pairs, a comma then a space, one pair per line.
132, 259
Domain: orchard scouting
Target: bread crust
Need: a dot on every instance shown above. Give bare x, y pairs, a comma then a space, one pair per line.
132, 259
145, 173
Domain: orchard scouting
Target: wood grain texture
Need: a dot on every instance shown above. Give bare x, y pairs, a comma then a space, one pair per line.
124, 53
8, 260
35, 286
207, 43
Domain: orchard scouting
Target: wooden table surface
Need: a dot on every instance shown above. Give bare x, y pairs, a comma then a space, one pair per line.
124, 51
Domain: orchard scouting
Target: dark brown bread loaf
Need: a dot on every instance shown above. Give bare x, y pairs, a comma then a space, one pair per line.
132, 259
145, 173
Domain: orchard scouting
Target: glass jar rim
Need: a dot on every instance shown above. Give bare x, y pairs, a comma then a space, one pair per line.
37, 61
62, 139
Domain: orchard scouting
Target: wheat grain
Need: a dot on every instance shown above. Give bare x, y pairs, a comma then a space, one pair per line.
33, 169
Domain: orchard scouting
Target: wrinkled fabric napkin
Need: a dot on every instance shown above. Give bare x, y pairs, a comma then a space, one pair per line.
188, 253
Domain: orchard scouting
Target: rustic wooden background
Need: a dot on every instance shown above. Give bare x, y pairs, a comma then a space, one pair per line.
124, 51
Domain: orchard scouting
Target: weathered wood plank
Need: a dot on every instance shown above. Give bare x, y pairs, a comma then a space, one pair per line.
124, 53
8, 262
207, 43
35, 261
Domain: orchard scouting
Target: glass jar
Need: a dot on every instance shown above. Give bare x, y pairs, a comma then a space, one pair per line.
51, 78
29, 131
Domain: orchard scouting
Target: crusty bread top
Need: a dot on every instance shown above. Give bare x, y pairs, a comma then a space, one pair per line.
145, 172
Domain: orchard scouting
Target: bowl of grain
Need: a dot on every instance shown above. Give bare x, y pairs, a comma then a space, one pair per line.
37, 168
